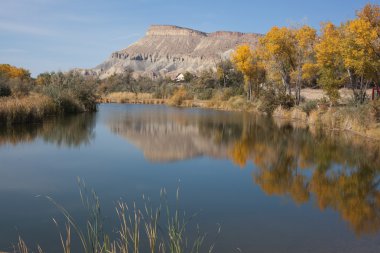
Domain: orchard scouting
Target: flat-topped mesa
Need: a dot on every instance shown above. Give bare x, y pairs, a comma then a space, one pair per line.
171, 30
232, 34
169, 50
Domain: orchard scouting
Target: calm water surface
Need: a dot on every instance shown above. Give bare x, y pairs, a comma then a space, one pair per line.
272, 187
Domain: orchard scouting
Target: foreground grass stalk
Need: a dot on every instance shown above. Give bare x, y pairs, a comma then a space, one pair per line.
151, 224
65, 243
21, 246
160, 237
73, 223
135, 236
123, 243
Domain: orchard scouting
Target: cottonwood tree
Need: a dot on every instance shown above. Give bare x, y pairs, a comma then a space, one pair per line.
371, 13
223, 69
330, 61
15, 81
278, 49
361, 50
227, 74
247, 61
206, 79
13, 72
351, 51
304, 39
289, 53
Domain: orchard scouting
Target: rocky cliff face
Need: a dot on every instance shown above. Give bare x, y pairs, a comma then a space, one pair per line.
170, 50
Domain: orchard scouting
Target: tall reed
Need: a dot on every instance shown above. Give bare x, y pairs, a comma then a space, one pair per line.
139, 229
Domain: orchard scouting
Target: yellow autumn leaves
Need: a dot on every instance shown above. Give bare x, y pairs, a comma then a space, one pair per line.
330, 170
248, 62
346, 55
282, 56
13, 72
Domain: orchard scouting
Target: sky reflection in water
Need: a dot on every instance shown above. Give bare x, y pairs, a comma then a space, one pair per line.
273, 187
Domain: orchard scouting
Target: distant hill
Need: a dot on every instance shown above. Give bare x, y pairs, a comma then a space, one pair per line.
168, 50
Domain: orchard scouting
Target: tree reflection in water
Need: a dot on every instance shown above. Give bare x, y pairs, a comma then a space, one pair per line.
340, 171
337, 171
69, 131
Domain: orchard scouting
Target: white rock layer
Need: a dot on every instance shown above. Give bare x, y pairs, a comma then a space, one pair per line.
170, 50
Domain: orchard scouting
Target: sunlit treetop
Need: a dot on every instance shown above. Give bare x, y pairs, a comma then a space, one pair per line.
14, 72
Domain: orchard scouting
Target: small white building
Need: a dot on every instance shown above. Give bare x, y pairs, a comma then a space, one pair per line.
180, 78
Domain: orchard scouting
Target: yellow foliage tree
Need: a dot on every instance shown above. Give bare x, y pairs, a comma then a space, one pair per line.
43, 79
14, 72
310, 72
371, 14
247, 61
361, 50
305, 38
330, 61
278, 47
351, 51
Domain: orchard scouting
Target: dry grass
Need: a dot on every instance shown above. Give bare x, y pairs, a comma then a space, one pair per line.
236, 103
294, 114
179, 96
125, 97
160, 229
362, 120
315, 94
27, 109
359, 119
131, 98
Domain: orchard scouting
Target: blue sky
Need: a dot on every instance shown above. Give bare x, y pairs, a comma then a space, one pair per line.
52, 35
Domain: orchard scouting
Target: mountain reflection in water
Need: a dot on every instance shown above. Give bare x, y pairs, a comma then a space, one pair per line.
337, 171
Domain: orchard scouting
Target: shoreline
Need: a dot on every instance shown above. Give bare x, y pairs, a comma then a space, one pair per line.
342, 119
294, 116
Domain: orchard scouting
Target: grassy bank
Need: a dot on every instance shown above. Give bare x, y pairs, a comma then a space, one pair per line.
24, 99
361, 119
33, 108
131, 98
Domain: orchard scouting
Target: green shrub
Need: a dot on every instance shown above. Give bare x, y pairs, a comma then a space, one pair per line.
309, 106
20, 87
376, 108
204, 94
5, 90
285, 100
230, 92
163, 91
268, 101
72, 92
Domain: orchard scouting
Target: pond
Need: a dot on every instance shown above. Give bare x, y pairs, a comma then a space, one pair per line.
271, 186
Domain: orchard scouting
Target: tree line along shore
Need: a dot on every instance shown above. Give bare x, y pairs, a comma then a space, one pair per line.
278, 77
